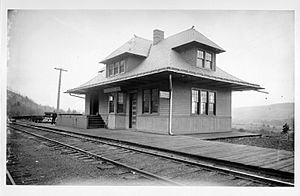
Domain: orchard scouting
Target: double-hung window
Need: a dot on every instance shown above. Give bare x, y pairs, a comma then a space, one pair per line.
150, 101
110, 69
203, 99
111, 103
120, 103
200, 58
208, 60
116, 68
211, 103
122, 66
195, 101
154, 101
146, 101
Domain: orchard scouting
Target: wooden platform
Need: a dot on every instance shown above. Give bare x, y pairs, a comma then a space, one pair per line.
280, 160
223, 135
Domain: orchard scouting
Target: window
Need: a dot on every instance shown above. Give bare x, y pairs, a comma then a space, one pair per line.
203, 108
200, 58
211, 103
146, 101
150, 101
120, 103
110, 69
208, 61
195, 102
154, 100
205, 104
122, 66
116, 68
111, 104
204, 59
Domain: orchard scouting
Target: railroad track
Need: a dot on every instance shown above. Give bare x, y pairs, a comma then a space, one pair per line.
125, 155
86, 154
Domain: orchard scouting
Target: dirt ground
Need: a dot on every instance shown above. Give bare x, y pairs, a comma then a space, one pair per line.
32, 162
269, 139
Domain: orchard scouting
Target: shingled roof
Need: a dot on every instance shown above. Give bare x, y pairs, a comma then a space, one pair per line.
136, 46
191, 35
161, 57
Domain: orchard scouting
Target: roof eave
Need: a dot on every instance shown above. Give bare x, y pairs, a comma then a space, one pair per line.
240, 86
194, 42
122, 55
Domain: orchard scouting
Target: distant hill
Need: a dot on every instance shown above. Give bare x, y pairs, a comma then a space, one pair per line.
19, 105
275, 114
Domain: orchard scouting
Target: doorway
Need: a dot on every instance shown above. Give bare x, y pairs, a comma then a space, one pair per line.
94, 105
132, 110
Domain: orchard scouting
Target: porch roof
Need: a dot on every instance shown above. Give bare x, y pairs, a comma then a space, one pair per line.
160, 74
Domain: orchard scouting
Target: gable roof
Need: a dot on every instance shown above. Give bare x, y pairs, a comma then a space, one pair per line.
161, 57
136, 46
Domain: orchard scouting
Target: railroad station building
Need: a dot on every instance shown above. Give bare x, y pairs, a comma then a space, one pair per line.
166, 85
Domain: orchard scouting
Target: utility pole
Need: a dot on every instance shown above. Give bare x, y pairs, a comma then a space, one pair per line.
59, 83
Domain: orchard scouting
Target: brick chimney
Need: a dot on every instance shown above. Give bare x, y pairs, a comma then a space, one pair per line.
158, 36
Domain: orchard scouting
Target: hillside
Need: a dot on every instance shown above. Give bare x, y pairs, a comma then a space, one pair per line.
272, 115
18, 105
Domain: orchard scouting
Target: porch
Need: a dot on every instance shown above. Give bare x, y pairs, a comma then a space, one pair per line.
150, 102
80, 121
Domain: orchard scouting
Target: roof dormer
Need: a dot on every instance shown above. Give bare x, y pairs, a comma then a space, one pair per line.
137, 46
196, 49
191, 37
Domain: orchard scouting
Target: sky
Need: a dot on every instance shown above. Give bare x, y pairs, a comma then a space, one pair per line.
259, 48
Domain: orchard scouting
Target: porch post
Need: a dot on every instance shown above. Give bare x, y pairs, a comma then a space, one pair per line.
171, 104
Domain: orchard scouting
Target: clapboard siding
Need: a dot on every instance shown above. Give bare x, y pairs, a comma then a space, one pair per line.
164, 106
181, 98
185, 123
103, 102
195, 124
223, 103
154, 124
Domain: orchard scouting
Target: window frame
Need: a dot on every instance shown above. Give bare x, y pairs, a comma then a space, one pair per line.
205, 59
214, 103
143, 101
150, 101
206, 113
123, 104
122, 62
203, 102
110, 70
199, 58
113, 103
197, 102
114, 68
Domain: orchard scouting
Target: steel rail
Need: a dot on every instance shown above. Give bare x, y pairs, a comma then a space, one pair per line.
145, 173
245, 175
